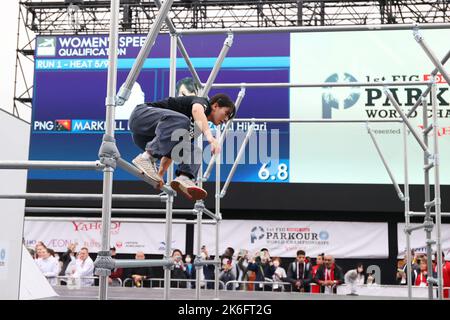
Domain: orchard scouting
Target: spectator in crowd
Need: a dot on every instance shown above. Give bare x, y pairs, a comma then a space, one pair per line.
208, 270
262, 265
402, 269
190, 271
67, 257
178, 272
228, 253
329, 275
421, 275
279, 275
84, 268
227, 274
116, 276
299, 273
38, 249
446, 274
48, 265
358, 276
241, 268
139, 274
319, 262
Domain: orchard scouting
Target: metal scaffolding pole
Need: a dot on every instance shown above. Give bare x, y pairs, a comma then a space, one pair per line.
427, 191
125, 263
120, 211
421, 214
199, 205
396, 186
125, 220
437, 192
109, 136
212, 76
182, 49
219, 218
81, 197
421, 41
125, 89
319, 84
428, 89
52, 165
236, 162
237, 104
407, 207
283, 120
169, 203
335, 28
406, 121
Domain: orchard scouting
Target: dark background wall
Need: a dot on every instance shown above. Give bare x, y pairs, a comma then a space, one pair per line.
267, 201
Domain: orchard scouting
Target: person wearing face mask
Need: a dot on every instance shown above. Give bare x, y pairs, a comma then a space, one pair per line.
178, 272
189, 270
279, 275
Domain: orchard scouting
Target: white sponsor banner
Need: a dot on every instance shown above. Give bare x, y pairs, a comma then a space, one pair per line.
125, 236
284, 238
344, 152
418, 239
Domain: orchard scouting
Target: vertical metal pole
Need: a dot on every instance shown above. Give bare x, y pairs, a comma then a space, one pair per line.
226, 46
407, 216
437, 190
198, 269
169, 202
109, 131
427, 198
219, 218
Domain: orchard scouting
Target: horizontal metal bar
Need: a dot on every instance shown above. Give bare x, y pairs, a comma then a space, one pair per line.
206, 263
99, 210
336, 28
319, 85
316, 120
130, 220
127, 263
422, 214
52, 165
80, 196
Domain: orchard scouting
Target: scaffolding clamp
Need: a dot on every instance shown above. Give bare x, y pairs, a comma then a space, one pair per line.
104, 263
108, 152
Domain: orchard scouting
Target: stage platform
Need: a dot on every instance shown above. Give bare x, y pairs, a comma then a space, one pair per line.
121, 293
